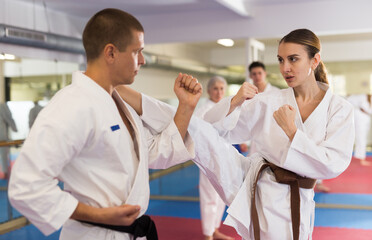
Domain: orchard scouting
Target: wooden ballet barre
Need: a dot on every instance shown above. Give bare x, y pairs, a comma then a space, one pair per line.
11, 143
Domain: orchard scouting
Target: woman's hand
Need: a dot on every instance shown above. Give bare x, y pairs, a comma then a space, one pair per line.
247, 91
285, 117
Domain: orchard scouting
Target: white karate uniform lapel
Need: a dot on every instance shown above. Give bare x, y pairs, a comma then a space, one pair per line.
315, 119
138, 193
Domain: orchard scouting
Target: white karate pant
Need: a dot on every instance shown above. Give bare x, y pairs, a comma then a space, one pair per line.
211, 206
362, 126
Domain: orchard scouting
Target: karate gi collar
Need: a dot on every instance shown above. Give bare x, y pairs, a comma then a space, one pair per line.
324, 103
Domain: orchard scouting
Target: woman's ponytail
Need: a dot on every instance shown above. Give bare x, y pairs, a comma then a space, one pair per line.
321, 73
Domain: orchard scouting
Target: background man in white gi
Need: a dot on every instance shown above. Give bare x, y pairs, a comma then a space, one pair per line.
95, 143
362, 114
211, 205
33, 113
257, 72
6, 121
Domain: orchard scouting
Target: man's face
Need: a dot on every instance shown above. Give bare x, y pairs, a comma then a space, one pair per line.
258, 75
130, 61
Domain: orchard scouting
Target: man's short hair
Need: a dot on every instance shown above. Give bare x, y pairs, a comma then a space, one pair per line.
109, 26
256, 64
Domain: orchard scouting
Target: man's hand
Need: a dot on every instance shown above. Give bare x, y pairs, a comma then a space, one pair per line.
285, 117
246, 91
188, 90
123, 215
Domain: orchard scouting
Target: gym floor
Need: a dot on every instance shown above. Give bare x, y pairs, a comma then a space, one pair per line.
343, 213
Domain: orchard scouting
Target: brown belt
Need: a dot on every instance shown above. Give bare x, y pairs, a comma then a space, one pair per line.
295, 182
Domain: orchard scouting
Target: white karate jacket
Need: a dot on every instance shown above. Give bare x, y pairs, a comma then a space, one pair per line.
252, 146
80, 139
321, 149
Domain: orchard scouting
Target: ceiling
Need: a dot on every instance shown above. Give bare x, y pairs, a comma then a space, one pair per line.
201, 22
206, 20
86, 8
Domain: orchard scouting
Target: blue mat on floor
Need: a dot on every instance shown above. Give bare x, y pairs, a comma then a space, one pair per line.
4, 216
29, 232
3, 183
341, 198
183, 182
343, 218
174, 209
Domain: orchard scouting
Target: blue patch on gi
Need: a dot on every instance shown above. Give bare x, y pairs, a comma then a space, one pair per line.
115, 127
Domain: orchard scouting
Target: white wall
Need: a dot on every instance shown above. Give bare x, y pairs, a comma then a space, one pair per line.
37, 67
180, 51
159, 83
333, 51
37, 53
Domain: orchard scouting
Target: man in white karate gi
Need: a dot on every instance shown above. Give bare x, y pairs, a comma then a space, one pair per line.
95, 143
257, 72
6, 122
33, 113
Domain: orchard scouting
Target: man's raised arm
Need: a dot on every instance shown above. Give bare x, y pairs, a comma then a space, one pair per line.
188, 91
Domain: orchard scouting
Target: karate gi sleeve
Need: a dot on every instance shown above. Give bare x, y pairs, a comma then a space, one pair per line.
166, 146
237, 127
366, 107
56, 137
218, 159
330, 157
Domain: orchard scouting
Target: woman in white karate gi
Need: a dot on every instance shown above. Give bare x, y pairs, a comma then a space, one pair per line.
304, 129
362, 112
212, 206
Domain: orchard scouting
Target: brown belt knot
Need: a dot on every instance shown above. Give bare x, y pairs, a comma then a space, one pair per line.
295, 182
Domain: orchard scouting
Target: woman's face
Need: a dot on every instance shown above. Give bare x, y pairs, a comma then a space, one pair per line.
295, 65
217, 91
